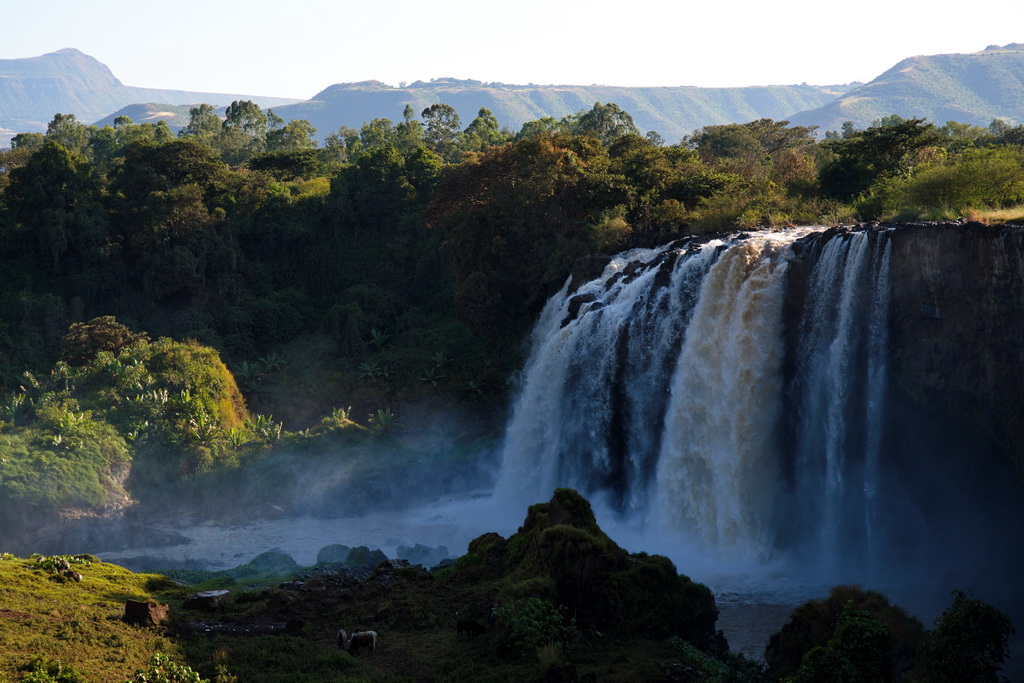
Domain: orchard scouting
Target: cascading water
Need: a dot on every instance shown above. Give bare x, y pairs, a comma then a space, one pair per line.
668, 386
839, 392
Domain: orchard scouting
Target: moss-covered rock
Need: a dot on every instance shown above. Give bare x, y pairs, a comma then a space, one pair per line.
561, 554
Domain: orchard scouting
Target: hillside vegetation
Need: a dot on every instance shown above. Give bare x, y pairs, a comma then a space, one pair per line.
270, 297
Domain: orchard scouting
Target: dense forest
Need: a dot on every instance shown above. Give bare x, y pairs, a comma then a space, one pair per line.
395, 264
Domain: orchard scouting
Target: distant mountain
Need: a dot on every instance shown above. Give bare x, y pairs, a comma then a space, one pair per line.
969, 88
68, 81
671, 111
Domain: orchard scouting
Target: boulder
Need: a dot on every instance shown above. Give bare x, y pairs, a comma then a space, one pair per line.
148, 613
361, 556
208, 600
330, 554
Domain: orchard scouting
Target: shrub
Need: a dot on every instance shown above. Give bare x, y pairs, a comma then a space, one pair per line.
815, 623
527, 625
163, 670
970, 642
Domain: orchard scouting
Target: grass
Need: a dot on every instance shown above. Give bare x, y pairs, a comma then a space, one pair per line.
1013, 214
80, 626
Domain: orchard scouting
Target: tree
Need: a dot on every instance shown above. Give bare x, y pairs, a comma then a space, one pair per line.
294, 136
970, 642
244, 132
56, 194
482, 132
409, 135
539, 127
888, 150
84, 340
246, 116
376, 134
203, 125
607, 122
754, 141
443, 130
65, 130
31, 141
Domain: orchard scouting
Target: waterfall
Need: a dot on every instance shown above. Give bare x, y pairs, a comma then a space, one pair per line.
717, 476
667, 386
839, 392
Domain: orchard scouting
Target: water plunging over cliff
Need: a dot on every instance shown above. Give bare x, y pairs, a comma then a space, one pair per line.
733, 393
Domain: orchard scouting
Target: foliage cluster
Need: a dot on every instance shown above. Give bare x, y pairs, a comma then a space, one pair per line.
856, 635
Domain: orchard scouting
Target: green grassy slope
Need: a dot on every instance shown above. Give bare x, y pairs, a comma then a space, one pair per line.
969, 88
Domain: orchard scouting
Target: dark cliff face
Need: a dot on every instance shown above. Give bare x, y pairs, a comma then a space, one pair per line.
957, 332
955, 402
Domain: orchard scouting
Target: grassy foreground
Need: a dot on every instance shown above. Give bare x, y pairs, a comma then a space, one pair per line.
78, 624
568, 605
48, 622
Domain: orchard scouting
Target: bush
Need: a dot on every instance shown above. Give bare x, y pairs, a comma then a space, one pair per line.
163, 670
970, 642
816, 622
527, 625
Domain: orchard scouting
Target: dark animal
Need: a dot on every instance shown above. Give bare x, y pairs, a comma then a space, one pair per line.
469, 627
360, 640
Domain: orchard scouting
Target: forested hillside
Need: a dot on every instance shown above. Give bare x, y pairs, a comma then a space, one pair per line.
147, 279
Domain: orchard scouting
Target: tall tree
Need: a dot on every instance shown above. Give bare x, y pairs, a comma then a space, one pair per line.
608, 122
443, 130
244, 133
203, 125
409, 133
482, 132
66, 131
294, 136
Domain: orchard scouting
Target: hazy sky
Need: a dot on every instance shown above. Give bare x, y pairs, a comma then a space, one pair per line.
297, 48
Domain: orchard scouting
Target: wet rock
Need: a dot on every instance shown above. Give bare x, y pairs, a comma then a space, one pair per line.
333, 553
361, 556
586, 269
443, 564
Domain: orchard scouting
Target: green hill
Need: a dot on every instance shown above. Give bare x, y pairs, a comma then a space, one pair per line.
969, 88
68, 81
174, 115
671, 111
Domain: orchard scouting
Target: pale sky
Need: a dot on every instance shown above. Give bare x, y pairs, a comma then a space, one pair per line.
299, 47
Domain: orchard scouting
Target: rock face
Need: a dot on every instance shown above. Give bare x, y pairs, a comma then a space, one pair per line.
332, 553
957, 324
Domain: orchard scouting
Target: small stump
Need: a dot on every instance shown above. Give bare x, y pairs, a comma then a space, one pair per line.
149, 613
